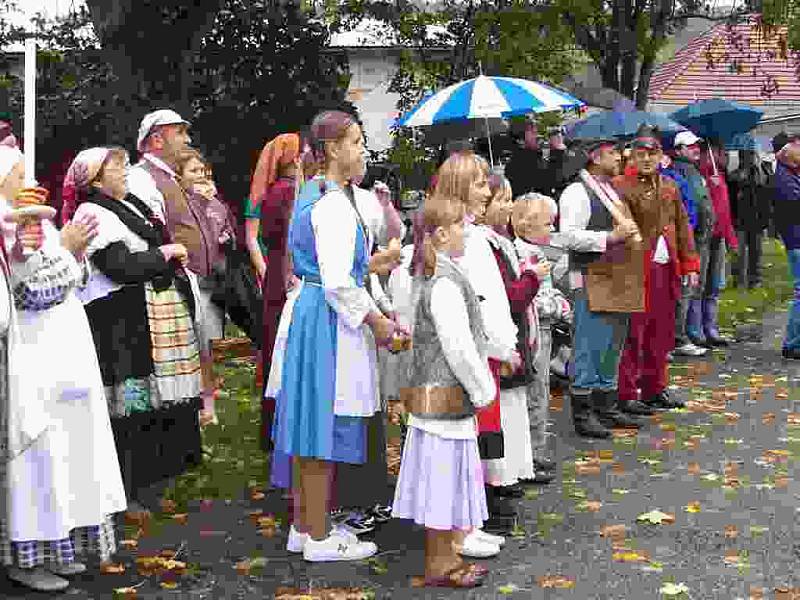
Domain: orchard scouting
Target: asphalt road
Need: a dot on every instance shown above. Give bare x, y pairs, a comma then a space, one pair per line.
722, 473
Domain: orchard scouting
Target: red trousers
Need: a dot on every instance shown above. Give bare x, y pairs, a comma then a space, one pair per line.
651, 335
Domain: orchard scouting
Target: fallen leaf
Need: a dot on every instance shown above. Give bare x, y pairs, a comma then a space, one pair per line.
255, 515
618, 467
167, 506
266, 521
767, 418
732, 417
670, 589
110, 568
756, 593
692, 507
256, 494
631, 556
505, 590
181, 518
589, 506
168, 585
124, 593
129, 544
654, 567
243, 567
613, 531
656, 517
787, 593
267, 532
587, 467
731, 532
693, 468
775, 456
781, 481
793, 418
555, 581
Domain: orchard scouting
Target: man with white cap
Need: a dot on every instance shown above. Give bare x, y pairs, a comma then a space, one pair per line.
162, 135
689, 316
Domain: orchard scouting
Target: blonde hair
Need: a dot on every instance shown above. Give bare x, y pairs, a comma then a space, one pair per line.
439, 210
457, 174
532, 201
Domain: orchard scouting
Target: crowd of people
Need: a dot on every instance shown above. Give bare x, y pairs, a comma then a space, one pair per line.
456, 328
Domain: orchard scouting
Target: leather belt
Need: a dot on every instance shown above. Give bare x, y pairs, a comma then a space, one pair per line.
431, 400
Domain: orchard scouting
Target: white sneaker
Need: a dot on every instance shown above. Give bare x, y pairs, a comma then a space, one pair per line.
475, 547
497, 540
297, 541
689, 349
338, 546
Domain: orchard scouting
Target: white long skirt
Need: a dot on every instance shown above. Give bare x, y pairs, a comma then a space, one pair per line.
70, 476
517, 462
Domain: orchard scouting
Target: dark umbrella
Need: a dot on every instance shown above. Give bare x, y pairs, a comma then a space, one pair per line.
718, 118
620, 125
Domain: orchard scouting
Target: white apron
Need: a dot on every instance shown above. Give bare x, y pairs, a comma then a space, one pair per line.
69, 476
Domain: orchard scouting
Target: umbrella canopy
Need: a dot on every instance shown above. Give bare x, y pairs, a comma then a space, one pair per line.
620, 125
718, 118
487, 97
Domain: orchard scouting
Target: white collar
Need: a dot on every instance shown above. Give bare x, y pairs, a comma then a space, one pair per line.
157, 162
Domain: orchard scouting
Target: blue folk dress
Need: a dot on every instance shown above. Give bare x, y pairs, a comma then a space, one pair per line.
328, 385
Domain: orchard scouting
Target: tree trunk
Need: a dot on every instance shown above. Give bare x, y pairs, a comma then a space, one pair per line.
643, 89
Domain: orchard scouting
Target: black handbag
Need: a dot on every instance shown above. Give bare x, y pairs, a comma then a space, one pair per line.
236, 290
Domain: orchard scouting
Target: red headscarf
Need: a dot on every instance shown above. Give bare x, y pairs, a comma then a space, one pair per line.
277, 153
81, 172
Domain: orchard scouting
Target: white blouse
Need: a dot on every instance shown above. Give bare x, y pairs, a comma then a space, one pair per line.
480, 267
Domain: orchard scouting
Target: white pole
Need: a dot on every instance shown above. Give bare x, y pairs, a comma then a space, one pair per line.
30, 112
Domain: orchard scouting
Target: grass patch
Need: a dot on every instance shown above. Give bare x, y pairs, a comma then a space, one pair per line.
742, 306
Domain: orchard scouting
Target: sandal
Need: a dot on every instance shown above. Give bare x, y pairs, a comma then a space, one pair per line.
460, 577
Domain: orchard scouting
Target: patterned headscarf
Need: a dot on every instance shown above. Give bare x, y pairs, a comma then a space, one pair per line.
277, 153
81, 173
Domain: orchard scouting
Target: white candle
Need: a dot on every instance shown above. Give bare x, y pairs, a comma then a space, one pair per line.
30, 112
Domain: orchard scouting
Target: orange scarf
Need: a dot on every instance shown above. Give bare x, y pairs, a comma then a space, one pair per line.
277, 153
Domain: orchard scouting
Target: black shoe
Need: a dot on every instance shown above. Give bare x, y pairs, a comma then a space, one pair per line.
584, 419
605, 405
499, 525
497, 505
634, 407
510, 491
540, 478
615, 418
662, 401
717, 342
544, 464
793, 354
381, 514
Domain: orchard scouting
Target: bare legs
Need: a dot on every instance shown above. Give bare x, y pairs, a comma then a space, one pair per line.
311, 497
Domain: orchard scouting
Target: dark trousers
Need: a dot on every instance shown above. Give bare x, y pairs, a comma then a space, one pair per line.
748, 260
365, 485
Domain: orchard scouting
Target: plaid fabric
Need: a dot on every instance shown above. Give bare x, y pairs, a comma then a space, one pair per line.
99, 540
174, 347
48, 285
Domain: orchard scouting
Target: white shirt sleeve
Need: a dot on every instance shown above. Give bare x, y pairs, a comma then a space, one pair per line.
141, 185
575, 210
335, 226
401, 288
449, 312
480, 267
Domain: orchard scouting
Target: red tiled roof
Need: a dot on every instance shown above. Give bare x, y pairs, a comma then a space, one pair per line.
741, 62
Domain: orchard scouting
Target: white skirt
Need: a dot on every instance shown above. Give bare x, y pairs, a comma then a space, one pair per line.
70, 476
517, 462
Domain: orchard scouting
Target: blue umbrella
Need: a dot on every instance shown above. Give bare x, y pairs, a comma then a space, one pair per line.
487, 98
718, 118
620, 124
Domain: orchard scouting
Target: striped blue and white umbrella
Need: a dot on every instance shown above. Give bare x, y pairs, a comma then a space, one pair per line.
486, 98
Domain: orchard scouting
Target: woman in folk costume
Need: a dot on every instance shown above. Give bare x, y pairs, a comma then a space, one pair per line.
521, 280
328, 387
60, 475
658, 211
362, 492
440, 485
139, 307
276, 180
532, 218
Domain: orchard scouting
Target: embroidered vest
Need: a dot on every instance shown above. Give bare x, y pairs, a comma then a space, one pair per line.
428, 367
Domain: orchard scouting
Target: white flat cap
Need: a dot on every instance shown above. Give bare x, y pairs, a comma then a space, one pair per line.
164, 116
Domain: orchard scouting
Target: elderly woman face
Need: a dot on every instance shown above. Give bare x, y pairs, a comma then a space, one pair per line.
113, 176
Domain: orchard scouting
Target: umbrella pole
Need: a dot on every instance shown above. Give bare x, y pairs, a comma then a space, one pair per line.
489, 138
711, 156
30, 111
